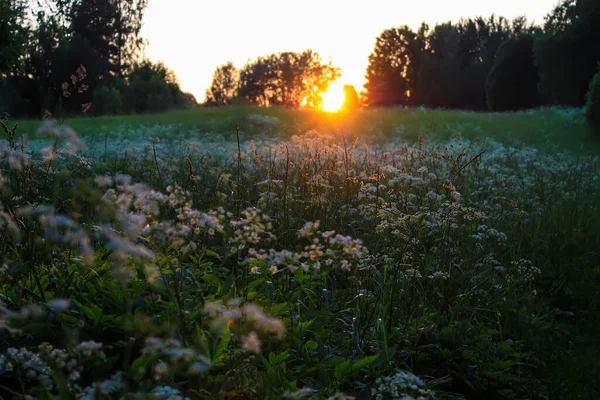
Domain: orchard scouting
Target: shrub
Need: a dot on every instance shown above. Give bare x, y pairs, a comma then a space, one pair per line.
512, 82
592, 107
19, 96
151, 96
106, 101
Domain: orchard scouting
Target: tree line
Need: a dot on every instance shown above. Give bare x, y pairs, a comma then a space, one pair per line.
474, 64
69, 56
491, 63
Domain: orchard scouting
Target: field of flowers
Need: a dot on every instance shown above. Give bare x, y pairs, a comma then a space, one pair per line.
156, 264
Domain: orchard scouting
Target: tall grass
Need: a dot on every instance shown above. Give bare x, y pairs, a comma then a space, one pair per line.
306, 266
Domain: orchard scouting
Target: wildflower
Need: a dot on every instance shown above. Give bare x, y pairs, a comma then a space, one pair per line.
308, 229
251, 343
103, 181
91, 348
439, 275
48, 153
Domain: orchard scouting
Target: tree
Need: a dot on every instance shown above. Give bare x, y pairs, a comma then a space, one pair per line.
287, 79
440, 79
13, 35
128, 26
392, 70
106, 101
224, 85
568, 55
153, 88
258, 81
561, 17
457, 59
111, 27
512, 82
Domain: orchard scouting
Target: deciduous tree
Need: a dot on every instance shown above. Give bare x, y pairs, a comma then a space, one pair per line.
224, 85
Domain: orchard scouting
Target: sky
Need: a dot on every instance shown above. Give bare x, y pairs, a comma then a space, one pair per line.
193, 37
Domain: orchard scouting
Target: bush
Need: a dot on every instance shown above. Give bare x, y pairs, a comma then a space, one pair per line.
512, 82
19, 96
153, 88
592, 107
106, 101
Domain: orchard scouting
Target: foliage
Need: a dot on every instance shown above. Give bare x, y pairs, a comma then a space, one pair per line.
111, 27
512, 82
392, 69
592, 107
295, 268
106, 101
287, 79
446, 66
103, 37
224, 85
567, 56
13, 35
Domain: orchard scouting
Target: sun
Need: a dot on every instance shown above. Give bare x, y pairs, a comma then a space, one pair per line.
333, 98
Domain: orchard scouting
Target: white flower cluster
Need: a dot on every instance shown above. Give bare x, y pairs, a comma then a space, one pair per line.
485, 233
249, 317
325, 249
402, 386
523, 271
251, 229
17, 159
42, 364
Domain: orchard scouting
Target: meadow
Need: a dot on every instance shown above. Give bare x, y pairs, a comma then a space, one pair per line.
245, 253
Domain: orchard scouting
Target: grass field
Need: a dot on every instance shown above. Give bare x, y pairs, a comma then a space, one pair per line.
563, 127
388, 254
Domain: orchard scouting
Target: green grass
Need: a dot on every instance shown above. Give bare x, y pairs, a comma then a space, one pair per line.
471, 265
565, 128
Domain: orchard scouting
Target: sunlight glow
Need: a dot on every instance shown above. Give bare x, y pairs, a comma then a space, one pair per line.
344, 31
333, 98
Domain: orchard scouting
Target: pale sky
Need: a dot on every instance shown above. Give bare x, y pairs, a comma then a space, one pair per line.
193, 37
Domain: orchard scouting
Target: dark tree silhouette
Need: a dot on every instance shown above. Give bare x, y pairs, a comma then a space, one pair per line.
567, 56
287, 79
392, 70
153, 88
111, 27
512, 82
446, 66
13, 35
440, 77
224, 85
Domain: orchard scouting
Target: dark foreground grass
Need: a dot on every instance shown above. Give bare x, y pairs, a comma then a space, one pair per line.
565, 128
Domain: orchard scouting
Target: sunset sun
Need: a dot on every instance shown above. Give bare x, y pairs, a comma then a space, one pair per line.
333, 98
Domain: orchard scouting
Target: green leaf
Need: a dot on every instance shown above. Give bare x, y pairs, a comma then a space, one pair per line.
92, 311
311, 345
210, 253
347, 368
222, 345
140, 365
